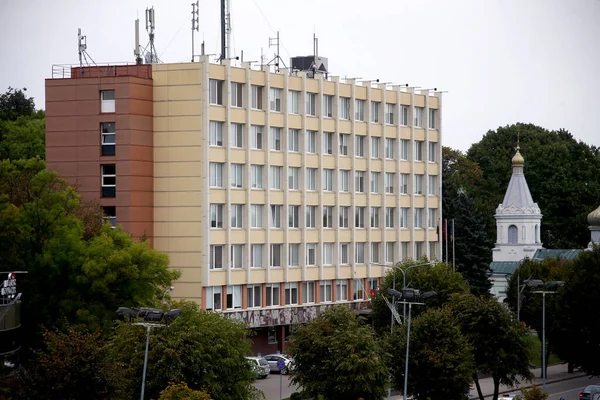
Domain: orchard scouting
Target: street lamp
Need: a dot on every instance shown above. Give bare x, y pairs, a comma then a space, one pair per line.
151, 316
410, 296
553, 287
169, 289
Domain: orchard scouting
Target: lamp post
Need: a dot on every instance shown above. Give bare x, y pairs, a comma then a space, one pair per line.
410, 297
169, 289
151, 317
537, 283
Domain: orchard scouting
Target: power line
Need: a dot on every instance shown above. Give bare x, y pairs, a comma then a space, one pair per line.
267, 21
175, 36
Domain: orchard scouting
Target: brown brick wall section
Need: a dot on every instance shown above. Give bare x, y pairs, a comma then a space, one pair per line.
73, 140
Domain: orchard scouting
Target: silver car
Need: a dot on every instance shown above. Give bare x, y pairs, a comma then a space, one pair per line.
260, 366
288, 361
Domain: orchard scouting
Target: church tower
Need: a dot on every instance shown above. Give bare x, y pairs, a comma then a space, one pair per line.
518, 219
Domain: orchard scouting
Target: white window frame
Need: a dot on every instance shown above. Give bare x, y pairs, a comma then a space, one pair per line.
293, 102
432, 185
237, 176
308, 292
375, 105
311, 253
432, 218
235, 291
375, 141
311, 179
390, 180
275, 215
375, 252
344, 180
344, 220
257, 97
294, 254
404, 115
293, 216
237, 95
375, 176
390, 114
256, 216
215, 92
275, 143
404, 217
359, 110
375, 217
291, 293
418, 184
404, 178
212, 293
257, 134
418, 117
418, 218
344, 253
108, 132
404, 145
216, 216
216, 174
418, 156
311, 142
359, 181
108, 179
344, 140
275, 177
341, 289
327, 216
237, 136
216, 259
256, 255
359, 217
107, 101
311, 103
326, 291
327, 182
293, 178
254, 296
359, 149
237, 256
432, 120
215, 129
273, 296
359, 252
293, 140
237, 216
432, 152
311, 217
275, 99
327, 143
390, 250
390, 148
327, 106
344, 108
275, 254
256, 173
390, 217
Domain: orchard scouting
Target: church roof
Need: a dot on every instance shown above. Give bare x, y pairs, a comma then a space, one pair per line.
504, 267
566, 254
517, 199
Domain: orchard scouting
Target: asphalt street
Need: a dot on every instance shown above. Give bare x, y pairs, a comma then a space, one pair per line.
270, 386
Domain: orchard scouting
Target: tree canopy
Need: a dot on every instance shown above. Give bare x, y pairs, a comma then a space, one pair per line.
14, 103
22, 129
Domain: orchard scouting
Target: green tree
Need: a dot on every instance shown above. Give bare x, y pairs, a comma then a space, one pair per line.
562, 175
534, 393
23, 138
181, 391
440, 361
202, 349
14, 103
575, 331
499, 341
337, 356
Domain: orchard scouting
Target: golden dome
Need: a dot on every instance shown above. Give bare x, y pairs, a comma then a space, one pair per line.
518, 160
594, 217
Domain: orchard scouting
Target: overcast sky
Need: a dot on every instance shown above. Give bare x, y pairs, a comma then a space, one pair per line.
501, 61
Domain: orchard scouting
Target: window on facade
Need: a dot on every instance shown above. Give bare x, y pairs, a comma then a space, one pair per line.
293, 174
293, 140
327, 253
390, 117
311, 216
405, 255
256, 215
404, 217
432, 118
433, 254
254, 296
360, 253
256, 255
257, 137
359, 217
237, 136
344, 139
275, 99
275, 216
272, 296
308, 292
404, 115
275, 255
109, 180
213, 298
327, 182
216, 256
257, 97
311, 103
418, 217
432, 185
432, 217
294, 254
237, 215
215, 129
418, 150
389, 252
390, 145
216, 174
216, 215
109, 215
404, 149
418, 120
256, 172
108, 133
234, 296
375, 216
311, 179
390, 178
344, 216
341, 290
418, 250
237, 256
275, 177
344, 108
344, 253
107, 101
359, 182
294, 217
291, 293
375, 112
432, 151
359, 110
275, 139
327, 106
358, 289
237, 94
215, 92
375, 182
418, 183
404, 183
375, 246
374, 147
327, 143
293, 102
311, 142
390, 217
359, 150
513, 234
237, 175
325, 291
327, 216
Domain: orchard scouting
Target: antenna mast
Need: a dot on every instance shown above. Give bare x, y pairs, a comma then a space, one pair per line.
225, 29
150, 20
275, 42
81, 47
195, 25
136, 50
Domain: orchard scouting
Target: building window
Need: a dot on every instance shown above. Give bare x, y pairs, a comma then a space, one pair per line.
360, 253
275, 178
237, 136
308, 292
358, 289
275, 99
256, 256
418, 184
216, 174
311, 213
344, 180
275, 139
291, 293
432, 185
275, 256
418, 117
433, 251
110, 215
216, 92
375, 252
432, 118
327, 106
375, 112
375, 216
403, 149
327, 143
311, 179
109, 180
327, 216
213, 298
344, 253
107, 101
344, 108
311, 103
237, 256
432, 217
293, 173
513, 234
404, 183
344, 216
257, 176
375, 182
389, 252
405, 253
293, 140
359, 110
418, 150
272, 294
418, 250
254, 296
294, 216
325, 292
390, 178
359, 182
293, 102
418, 218
390, 217
237, 215
359, 151
216, 256
216, 215
374, 147
257, 137
432, 151
234, 297
215, 129
327, 180
294, 254
344, 139
390, 145
256, 216
311, 253
108, 133
359, 217
389, 114
341, 290
404, 217
237, 94
237, 176
311, 142
404, 115
275, 216
257, 97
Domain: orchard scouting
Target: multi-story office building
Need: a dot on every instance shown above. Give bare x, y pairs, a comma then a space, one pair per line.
275, 193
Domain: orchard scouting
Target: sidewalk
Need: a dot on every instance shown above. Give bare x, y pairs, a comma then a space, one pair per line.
556, 373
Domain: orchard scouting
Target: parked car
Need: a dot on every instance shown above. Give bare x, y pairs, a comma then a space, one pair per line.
260, 366
272, 359
591, 392
508, 396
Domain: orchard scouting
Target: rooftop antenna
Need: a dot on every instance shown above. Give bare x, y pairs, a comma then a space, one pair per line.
150, 25
81, 47
195, 25
136, 51
275, 42
225, 29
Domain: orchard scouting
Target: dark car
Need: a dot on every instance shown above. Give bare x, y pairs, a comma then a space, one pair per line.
591, 392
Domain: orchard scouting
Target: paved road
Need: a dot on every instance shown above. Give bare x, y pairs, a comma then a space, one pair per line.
270, 386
